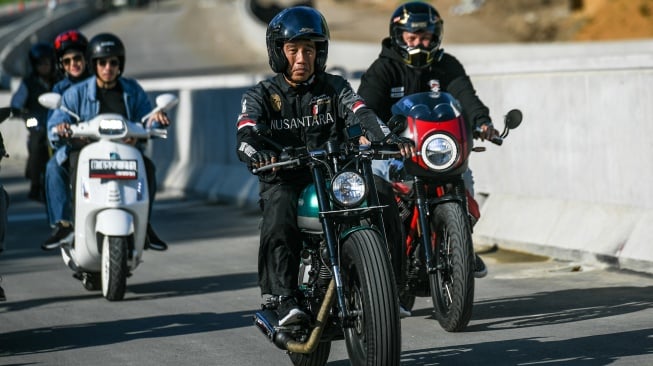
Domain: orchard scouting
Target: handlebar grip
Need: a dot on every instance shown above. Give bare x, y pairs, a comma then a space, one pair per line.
497, 140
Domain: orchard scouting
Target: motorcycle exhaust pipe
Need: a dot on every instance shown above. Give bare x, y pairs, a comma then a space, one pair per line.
266, 321
313, 340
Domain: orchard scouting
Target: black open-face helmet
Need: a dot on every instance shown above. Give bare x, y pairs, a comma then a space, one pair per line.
69, 40
105, 45
415, 17
295, 23
41, 51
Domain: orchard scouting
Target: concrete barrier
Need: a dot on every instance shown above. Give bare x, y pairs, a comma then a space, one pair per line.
571, 182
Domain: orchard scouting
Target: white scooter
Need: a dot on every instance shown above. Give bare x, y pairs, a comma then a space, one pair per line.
111, 198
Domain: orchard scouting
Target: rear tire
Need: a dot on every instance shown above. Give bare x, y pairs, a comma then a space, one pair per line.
452, 286
374, 335
114, 267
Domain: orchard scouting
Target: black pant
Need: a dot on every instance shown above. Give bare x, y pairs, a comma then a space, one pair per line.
38, 156
280, 242
393, 228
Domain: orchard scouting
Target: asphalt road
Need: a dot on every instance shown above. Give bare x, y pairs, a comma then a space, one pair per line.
194, 303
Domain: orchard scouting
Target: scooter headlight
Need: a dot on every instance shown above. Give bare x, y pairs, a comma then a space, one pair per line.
349, 189
112, 127
439, 152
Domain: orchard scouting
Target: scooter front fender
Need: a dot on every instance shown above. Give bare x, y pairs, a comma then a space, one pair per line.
115, 222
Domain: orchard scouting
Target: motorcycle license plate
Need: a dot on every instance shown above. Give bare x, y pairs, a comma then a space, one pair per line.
113, 169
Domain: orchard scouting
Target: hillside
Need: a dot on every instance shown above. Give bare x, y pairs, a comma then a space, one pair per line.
500, 21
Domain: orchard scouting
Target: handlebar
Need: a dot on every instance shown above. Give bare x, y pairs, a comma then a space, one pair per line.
376, 151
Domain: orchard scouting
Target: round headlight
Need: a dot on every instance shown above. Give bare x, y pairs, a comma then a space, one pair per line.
439, 152
348, 189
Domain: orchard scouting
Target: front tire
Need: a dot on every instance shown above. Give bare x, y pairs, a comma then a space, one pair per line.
114, 267
319, 357
373, 336
452, 286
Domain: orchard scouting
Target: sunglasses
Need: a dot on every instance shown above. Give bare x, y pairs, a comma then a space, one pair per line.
67, 60
112, 62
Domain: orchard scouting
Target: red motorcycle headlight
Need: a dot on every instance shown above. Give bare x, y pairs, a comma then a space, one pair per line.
439, 152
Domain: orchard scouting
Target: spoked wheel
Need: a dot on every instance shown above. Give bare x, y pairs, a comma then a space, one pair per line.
319, 357
452, 286
114, 267
373, 333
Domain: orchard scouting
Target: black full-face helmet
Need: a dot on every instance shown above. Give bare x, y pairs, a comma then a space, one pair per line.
40, 51
415, 17
295, 23
105, 45
69, 40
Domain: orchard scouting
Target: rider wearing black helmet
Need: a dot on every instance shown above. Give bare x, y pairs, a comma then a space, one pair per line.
40, 80
302, 106
412, 61
106, 92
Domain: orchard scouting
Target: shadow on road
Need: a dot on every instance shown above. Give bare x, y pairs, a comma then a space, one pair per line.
592, 350
190, 286
557, 307
75, 336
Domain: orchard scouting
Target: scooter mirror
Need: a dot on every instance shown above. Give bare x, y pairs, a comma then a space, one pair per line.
513, 118
166, 101
50, 100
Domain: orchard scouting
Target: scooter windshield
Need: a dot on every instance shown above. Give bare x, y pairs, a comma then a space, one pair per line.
428, 106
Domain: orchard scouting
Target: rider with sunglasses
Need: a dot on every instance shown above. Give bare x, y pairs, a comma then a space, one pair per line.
107, 91
70, 49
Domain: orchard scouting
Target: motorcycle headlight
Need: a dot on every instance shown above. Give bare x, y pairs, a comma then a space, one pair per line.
348, 189
112, 127
439, 152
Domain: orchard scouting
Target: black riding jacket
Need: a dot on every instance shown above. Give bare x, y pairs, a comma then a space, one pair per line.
308, 115
389, 79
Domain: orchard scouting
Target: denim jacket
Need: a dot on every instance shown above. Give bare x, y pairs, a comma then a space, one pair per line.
81, 99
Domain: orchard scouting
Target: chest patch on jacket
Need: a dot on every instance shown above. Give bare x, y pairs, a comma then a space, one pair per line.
397, 92
275, 102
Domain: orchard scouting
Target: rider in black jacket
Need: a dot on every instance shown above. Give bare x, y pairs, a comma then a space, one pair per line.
301, 105
411, 61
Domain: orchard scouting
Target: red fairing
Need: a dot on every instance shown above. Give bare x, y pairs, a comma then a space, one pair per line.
455, 128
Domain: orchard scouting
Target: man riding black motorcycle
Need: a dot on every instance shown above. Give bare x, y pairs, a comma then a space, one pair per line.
301, 106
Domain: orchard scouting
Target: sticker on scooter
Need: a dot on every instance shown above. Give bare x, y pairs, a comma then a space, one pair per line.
113, 169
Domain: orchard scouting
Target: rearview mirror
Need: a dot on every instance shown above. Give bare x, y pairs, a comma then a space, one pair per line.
166, 101
397, 123
50, 100
513, 119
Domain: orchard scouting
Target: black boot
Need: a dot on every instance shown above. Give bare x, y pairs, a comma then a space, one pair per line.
152, 241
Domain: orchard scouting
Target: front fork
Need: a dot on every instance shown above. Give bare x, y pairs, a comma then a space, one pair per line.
423, 209
421, 202
328, 227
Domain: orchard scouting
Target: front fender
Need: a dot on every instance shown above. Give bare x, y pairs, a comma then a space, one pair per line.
345, 234
115, 222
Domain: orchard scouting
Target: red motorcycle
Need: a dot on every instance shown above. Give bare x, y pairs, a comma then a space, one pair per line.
435, 206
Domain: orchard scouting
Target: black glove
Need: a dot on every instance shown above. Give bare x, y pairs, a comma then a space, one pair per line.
262, 158
405, 145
